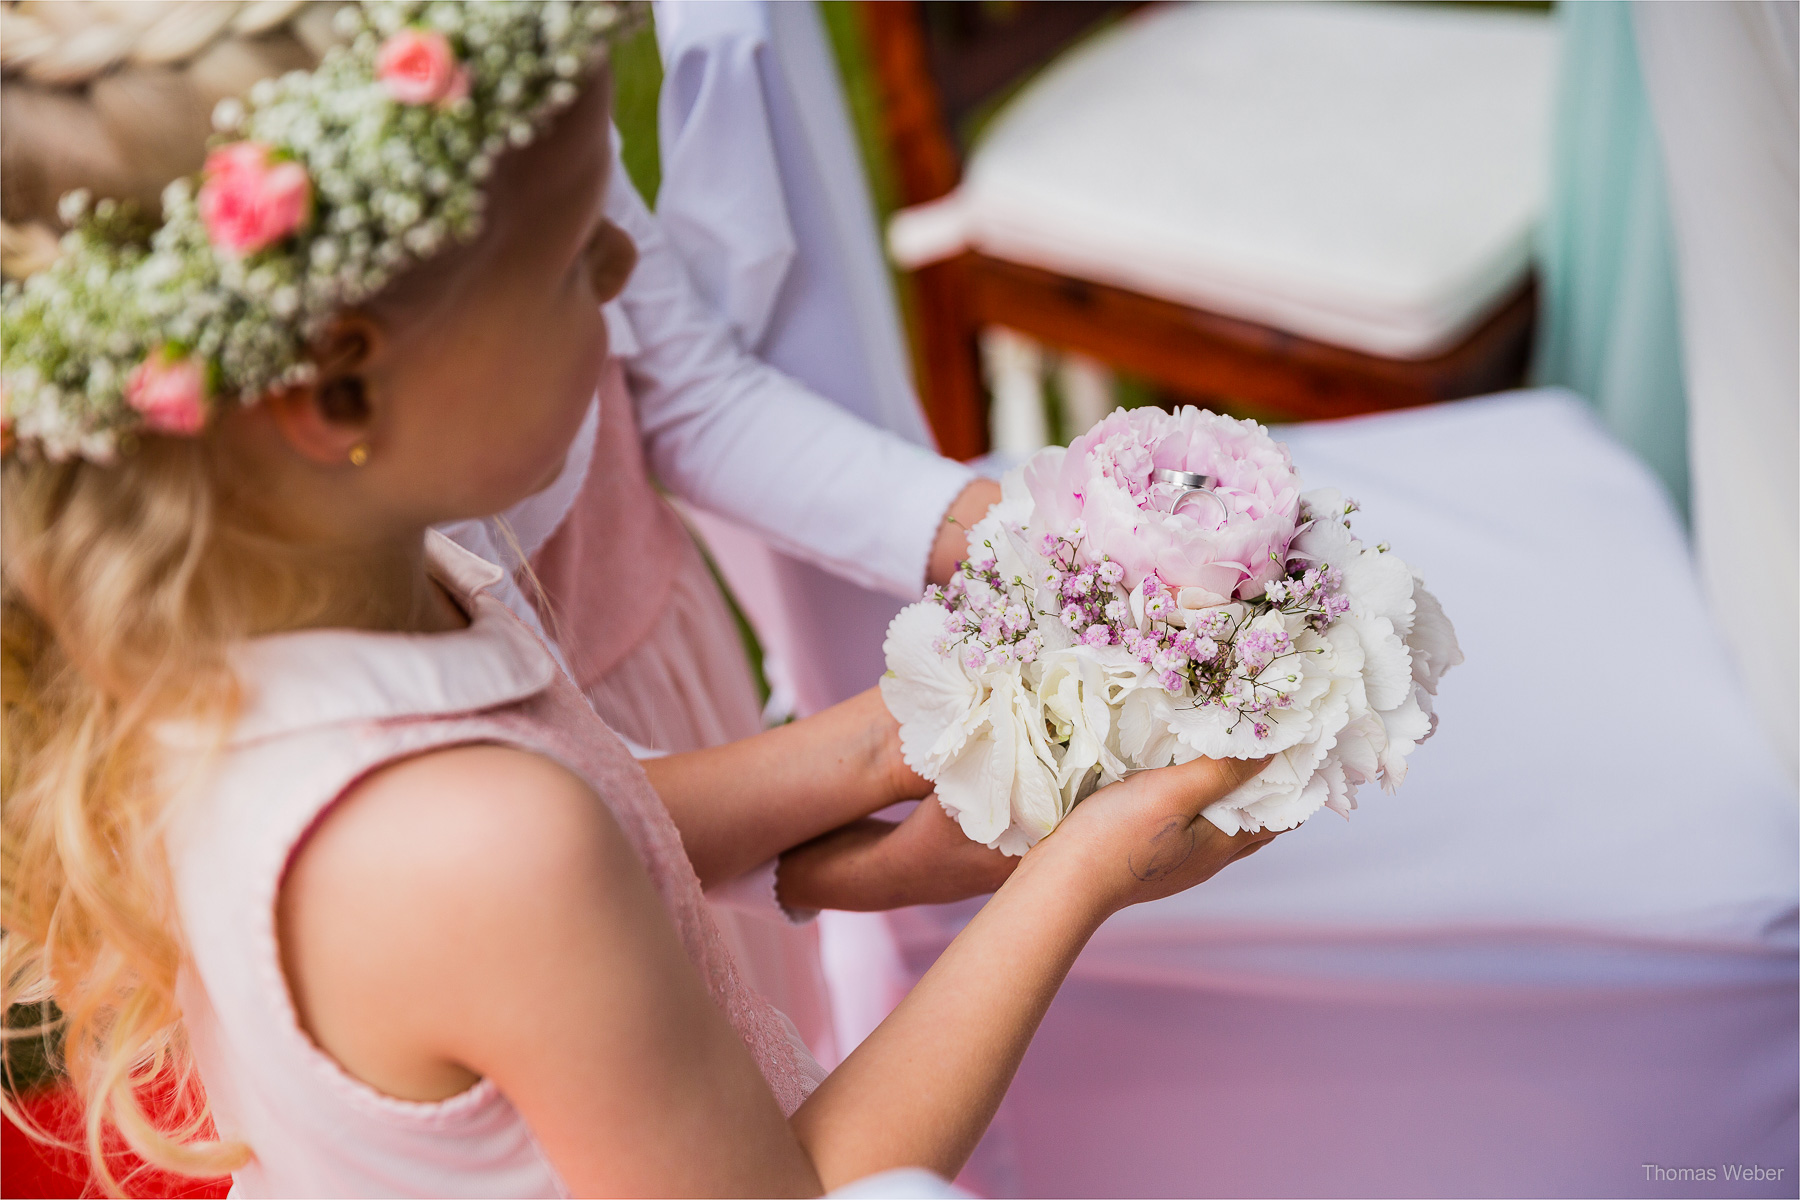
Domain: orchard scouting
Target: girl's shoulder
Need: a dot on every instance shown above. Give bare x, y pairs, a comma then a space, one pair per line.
455, 822
408, 912
325, 710
458, 826
374, 834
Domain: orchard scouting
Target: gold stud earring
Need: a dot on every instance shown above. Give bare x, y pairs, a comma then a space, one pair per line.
359, 454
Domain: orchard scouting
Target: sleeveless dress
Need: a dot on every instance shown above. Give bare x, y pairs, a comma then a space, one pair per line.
654, 647
323, 709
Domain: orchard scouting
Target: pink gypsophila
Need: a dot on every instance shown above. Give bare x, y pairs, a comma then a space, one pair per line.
250, 199
417, 66
169, 392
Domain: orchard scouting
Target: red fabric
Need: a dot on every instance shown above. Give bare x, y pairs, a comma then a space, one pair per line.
28, 1168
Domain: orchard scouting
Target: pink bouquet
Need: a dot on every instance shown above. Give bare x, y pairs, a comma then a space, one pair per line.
1162, 590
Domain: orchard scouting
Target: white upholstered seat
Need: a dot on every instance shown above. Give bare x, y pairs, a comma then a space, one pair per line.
1361, 174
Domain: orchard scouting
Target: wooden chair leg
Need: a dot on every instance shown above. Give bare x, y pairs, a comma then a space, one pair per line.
950, 373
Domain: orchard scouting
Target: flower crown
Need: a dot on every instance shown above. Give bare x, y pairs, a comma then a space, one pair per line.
334, 182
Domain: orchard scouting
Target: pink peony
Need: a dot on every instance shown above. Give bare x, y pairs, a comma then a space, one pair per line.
170, 392
417, 66
1104, 481
251, 200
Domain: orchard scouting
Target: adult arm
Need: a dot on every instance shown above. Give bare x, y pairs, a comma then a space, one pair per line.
734, 436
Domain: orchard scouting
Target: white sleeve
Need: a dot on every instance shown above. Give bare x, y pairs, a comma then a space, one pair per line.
732, 435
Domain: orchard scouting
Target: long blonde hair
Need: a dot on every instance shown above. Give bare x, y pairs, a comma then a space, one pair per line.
111, 622
122, 588
117, 602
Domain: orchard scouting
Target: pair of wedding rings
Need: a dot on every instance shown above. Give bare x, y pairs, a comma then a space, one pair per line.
1187, 485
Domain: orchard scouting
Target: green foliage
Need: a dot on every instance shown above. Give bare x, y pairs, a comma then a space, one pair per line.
637, 82
852, 55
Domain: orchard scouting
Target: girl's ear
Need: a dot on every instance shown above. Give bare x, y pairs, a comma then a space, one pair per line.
610, 256
328, 421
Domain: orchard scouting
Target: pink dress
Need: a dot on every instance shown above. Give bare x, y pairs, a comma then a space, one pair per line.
325, 708
653, 645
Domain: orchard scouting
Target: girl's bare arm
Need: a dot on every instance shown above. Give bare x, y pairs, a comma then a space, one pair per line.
741, 804
477, 913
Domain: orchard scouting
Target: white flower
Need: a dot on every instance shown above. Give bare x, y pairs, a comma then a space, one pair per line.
977, 732
228, 114
1357, 709
1432, 640
73, 205
1002, 788
936, 699
1077, 686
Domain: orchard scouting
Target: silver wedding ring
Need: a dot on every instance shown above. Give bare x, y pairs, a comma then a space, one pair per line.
1190, 484
1186, 479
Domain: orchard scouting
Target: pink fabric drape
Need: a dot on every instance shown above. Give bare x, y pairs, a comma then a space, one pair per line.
1140, 1088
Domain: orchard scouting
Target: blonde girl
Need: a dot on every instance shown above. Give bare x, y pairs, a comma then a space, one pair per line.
294, 805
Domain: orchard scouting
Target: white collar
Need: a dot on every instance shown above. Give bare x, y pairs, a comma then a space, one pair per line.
315, 677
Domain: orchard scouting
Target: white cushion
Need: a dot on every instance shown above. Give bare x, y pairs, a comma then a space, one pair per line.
1362, 174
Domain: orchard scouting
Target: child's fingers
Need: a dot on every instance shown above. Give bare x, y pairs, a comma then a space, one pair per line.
1205, 780
1256, 841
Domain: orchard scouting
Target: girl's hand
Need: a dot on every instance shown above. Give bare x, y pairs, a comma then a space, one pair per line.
745, 802
1144, 838
1150, 825
930, 853
922, 1088
881, 731
872, 865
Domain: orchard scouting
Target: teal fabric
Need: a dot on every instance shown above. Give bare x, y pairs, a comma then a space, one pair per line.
1609, 323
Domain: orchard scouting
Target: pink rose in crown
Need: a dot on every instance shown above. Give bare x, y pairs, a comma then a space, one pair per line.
417, 66
251, 199
170, 393
1104, 488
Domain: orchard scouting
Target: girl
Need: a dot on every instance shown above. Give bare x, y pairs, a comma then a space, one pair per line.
638, 616
290, 798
